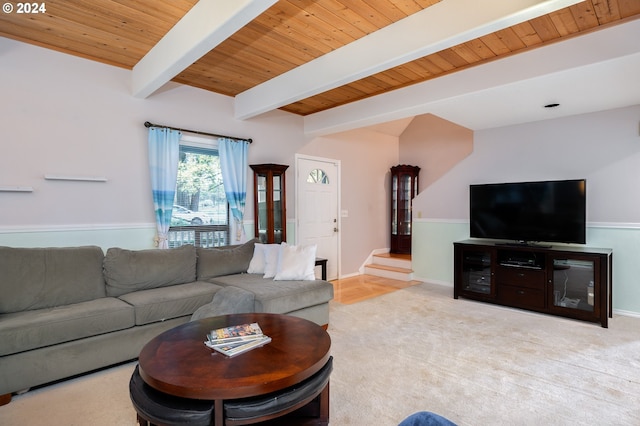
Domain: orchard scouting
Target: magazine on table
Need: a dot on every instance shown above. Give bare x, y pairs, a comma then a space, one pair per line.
236, 348
236, 333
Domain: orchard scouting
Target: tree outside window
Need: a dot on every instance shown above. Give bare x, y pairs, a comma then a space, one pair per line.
200, 211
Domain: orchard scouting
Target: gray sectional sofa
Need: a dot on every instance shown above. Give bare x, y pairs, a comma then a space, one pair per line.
69, 310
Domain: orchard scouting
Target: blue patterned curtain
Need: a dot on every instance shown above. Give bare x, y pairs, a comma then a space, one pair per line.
234, 156
164, 147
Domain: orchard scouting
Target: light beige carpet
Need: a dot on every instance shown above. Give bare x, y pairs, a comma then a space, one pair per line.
419, 349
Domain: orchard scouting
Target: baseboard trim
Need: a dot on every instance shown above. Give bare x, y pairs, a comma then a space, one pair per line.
355, 274
369, 259
626, 313
435, 282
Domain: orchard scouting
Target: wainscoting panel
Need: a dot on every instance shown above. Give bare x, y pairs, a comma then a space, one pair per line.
129, 236
432, 253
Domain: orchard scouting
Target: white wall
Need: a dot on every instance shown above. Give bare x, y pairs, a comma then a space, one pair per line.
435, 145
365, 159
70, 116
603, 147
65, 115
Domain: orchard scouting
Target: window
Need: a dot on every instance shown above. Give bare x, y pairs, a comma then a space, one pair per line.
318, 176
200, 210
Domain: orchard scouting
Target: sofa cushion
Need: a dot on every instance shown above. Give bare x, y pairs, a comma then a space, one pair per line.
271, 259
131, 270
23, 331
258, 261
164, 303
296, 263
227, 260
37, 278
280, 297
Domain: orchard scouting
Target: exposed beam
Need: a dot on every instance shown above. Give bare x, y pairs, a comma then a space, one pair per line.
435, 28
205, 26
588, 73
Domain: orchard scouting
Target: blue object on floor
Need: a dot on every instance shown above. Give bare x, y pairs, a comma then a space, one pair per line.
426, 418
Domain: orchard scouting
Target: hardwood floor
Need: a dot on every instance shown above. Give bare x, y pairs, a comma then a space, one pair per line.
362, 287
395, 255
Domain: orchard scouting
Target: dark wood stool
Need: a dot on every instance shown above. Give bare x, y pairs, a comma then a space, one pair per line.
289, 377
301, 396
157, 408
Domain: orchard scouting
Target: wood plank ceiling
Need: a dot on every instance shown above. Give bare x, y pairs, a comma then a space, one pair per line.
287, 35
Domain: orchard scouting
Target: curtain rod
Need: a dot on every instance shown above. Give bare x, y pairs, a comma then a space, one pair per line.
148, 124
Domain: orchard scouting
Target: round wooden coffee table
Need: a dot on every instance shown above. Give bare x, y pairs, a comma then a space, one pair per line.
177, 362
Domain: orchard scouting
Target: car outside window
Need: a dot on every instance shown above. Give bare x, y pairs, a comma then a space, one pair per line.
200, 213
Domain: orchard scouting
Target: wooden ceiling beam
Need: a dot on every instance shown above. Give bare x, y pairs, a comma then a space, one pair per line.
206, 25
436, 28
491, 95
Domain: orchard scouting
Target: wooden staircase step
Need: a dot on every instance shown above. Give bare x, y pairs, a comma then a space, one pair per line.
394, 255
392, 272
392, 260
390, 268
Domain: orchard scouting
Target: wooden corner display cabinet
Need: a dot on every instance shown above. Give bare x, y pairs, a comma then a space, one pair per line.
404, 186
573, 282
270, 202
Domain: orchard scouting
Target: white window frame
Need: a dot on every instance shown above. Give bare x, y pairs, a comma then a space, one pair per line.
187, 235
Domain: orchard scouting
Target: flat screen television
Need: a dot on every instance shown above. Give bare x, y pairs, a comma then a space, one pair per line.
547, 211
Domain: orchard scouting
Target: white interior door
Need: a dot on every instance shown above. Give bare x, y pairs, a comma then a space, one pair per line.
317, 204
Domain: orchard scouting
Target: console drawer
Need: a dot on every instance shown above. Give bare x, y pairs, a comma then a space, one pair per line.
521, 296
520, 277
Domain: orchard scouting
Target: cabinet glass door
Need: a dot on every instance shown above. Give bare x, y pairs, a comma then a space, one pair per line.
270, 202
261, 191
404, 186
394, 205
574, 284
477, 276
404, 205
277, 210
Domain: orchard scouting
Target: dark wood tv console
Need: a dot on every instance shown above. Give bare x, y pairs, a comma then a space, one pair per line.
573, 282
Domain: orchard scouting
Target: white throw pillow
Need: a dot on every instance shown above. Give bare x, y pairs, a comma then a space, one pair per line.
257, 264
271, 256
296, 263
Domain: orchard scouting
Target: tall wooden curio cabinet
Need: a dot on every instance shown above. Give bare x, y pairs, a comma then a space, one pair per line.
270, 202
404, 186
